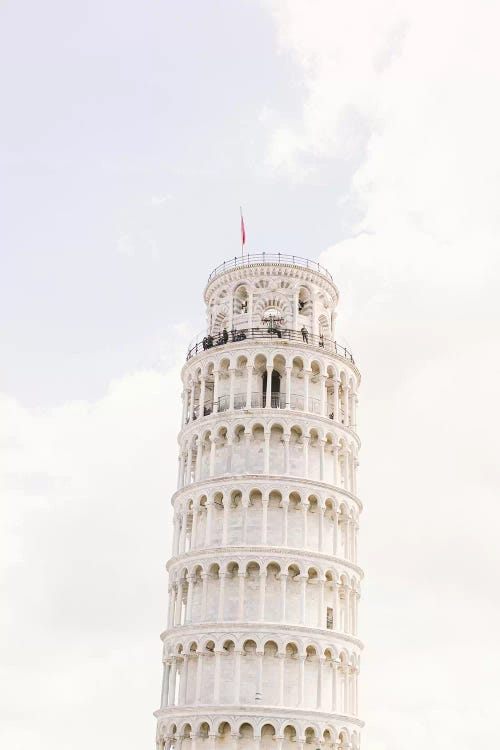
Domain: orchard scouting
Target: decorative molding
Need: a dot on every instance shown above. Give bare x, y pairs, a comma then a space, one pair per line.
293, 416
268, 630
307, 352
215, 553
267, 483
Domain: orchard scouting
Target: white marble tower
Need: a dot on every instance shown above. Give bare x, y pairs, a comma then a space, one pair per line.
261, 648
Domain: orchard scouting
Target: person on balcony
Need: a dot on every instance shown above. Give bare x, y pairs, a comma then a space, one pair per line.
225, 335
322, 340
305, 334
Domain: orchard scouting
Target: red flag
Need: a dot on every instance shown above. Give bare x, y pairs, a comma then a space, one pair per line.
243, 235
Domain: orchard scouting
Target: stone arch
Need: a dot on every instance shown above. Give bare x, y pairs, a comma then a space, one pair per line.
240, 299
204, 727
272, 306
267, 728
246, 732
290, 734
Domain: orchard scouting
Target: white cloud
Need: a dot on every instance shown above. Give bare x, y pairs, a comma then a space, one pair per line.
125, 246
159, 200
408, 92
85, 534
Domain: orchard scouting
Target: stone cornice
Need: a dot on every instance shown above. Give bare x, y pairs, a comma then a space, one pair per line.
297, 416
265, 551
266, 269
264, 482
259, 711
269, 631
310, 350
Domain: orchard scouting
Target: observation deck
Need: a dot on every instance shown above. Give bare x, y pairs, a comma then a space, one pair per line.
263, 258
202, 343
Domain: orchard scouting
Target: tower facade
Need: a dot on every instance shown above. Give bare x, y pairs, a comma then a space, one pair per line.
261, 648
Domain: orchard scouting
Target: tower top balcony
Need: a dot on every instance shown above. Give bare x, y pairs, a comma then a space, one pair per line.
252, 260
266, 295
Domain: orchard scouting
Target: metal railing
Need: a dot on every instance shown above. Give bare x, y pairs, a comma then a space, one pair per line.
256, 259
285, 334
258, 401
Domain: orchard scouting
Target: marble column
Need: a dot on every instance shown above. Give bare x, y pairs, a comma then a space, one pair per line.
283, 579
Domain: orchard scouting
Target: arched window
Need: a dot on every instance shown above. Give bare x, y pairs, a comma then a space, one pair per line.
275, 389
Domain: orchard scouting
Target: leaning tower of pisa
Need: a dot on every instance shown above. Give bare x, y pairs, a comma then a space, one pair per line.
261, 647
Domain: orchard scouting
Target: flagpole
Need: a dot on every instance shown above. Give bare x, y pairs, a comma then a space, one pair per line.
242, 233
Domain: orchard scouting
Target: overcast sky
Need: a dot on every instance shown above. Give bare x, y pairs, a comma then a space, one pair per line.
362, 134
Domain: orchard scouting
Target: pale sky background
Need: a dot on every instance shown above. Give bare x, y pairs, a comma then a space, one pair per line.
364, 134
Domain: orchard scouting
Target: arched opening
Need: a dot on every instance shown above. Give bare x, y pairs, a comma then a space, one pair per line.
275, 389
